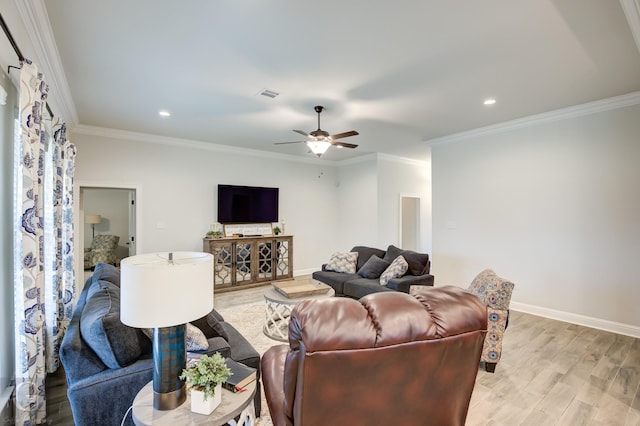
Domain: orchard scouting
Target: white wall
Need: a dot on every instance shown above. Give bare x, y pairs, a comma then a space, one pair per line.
369, 190
554, 207
178, 187
327, 207
398, 177
356, 206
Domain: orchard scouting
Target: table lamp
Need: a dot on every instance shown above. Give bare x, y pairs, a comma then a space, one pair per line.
164, 291
93, 220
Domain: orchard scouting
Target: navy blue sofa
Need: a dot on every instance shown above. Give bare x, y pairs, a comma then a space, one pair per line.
106, 363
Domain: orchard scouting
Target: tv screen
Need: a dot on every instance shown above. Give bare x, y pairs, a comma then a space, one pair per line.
247, 204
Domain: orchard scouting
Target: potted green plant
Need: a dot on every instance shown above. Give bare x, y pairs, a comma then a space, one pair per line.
204, 378
214, 234
276, 230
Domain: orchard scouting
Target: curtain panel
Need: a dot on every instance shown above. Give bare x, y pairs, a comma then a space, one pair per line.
43, 247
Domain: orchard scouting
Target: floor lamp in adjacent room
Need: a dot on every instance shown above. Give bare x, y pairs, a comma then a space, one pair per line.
164, 291
93, 220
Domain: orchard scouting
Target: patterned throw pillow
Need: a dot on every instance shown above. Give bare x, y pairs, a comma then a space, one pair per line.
397, 269
196, 340
343, 262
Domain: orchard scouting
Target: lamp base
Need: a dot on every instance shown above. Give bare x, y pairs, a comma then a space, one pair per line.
169, 359
170, 400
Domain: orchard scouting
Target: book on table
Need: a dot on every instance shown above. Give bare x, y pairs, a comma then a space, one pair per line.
241, 376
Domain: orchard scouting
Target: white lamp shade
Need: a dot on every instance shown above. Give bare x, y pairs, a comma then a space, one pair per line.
93, 219
155, 292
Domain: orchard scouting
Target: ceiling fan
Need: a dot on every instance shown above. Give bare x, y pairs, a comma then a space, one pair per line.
319, 140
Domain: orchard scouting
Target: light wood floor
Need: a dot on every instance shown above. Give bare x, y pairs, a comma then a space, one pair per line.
551, 372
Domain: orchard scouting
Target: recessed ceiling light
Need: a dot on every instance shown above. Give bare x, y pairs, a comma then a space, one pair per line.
164, 113
489, 101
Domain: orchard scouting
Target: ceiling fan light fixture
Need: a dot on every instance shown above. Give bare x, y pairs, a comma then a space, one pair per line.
318, 147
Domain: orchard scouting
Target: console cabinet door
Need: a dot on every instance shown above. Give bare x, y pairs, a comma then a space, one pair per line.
223, 262
283, 259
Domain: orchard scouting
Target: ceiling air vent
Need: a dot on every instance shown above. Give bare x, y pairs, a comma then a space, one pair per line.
268, 93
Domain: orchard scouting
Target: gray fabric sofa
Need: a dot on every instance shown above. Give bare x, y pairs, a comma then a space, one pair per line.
360, 284
106, 363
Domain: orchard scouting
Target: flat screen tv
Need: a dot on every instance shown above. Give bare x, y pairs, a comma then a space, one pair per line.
247, 204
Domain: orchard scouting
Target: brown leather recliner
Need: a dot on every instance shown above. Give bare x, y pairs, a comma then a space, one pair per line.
388, 358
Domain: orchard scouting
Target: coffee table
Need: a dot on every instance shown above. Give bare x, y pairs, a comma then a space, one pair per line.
278, 310
232, 405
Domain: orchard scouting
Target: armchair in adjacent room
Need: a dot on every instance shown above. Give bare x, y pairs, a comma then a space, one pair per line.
388, 358
495, 292
103, 249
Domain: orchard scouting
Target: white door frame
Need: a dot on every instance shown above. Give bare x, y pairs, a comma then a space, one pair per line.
78, 222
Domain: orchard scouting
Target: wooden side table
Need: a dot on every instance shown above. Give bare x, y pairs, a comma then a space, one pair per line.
232, 405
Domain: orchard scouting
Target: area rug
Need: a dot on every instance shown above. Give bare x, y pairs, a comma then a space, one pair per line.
248, 320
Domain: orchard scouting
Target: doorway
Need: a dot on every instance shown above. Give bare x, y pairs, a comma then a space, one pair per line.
109, 210
410, 222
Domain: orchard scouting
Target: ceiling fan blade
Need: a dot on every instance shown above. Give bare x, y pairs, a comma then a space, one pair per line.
285, 143
344, 135
302, 132
345, 145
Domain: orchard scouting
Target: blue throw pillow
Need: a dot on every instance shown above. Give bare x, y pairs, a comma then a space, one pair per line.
373, 267
116, 344
106, 272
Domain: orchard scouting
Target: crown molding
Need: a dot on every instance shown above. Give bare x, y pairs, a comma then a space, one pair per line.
402, 160
631, 10
382, 156
356, 160
36, 21
616, 102
206, 146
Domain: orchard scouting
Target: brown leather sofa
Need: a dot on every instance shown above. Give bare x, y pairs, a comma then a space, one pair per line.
388, 358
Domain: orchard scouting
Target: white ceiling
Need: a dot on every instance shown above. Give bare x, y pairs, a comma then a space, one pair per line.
400, 73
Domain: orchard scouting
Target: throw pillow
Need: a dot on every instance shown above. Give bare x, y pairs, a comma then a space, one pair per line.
392, 252
418, 262
211, 326
373, 267
196, 340
343, 262
116, 344
397, 269
106, 272
364, 253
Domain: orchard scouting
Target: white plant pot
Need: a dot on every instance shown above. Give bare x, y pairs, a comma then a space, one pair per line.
200, 406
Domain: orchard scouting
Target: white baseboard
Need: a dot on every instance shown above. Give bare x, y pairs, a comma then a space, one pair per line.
600, 324
300, 272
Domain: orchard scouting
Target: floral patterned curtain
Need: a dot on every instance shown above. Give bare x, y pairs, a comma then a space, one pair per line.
43, 247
